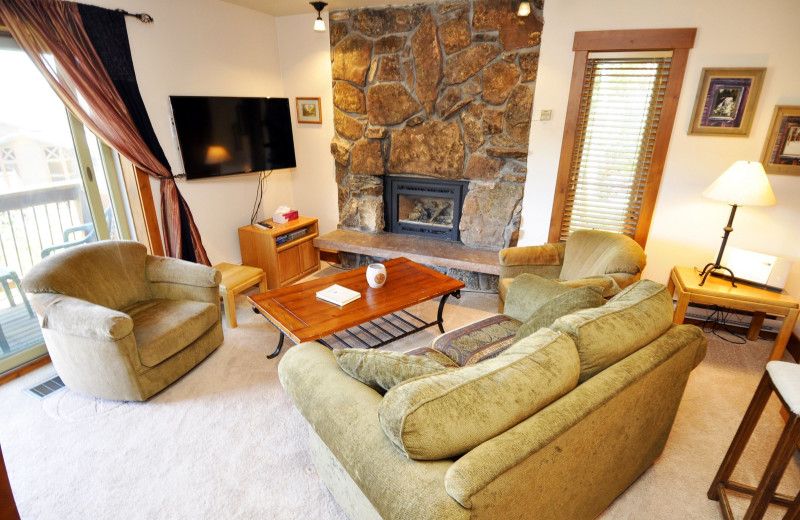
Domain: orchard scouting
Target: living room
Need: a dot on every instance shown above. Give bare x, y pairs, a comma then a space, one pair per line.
217, 48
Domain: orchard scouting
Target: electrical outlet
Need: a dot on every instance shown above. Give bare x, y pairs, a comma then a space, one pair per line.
545, 115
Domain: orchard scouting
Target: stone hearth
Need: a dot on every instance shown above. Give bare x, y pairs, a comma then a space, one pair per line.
438, 90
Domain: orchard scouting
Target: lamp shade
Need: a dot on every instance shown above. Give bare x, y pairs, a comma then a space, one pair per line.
745, 183
524, 9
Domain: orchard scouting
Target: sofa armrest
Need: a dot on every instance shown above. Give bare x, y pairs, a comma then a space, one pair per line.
580, 435
344, 414
80, 318
172, 270
175, 279
544, 260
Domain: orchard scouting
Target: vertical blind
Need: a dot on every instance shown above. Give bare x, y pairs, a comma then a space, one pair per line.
620, 109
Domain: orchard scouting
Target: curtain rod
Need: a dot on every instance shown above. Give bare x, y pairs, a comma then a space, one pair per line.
142, 17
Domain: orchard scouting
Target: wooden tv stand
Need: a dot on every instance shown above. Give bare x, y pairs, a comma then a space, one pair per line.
283, 263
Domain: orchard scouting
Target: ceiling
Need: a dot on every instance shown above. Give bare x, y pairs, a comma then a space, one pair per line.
292, 7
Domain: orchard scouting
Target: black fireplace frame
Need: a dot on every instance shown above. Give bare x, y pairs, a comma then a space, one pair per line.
394, 186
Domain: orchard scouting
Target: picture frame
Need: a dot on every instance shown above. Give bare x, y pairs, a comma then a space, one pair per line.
781, 152
726, 101
308, 110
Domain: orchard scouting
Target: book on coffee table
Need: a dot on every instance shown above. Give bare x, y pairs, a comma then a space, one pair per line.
338, 295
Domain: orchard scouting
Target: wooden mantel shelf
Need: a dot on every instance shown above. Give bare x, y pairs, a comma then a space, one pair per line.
426, 251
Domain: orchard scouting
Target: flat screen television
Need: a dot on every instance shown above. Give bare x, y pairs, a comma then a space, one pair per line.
230, 135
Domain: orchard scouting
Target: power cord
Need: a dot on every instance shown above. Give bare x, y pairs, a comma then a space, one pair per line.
718, 319
262, 177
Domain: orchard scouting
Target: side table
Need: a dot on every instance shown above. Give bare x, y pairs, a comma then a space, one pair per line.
684, 281
235, 279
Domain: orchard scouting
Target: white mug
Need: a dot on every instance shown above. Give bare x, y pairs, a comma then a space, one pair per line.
376, 275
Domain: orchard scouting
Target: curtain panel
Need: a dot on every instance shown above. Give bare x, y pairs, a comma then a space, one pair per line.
84, 53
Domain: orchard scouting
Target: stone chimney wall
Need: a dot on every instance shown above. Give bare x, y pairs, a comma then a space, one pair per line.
438, 90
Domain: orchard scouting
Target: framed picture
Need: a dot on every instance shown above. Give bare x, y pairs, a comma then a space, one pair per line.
782, 150
726, 102
308, 110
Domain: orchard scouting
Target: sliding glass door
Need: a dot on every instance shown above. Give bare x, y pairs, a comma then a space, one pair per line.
59, 188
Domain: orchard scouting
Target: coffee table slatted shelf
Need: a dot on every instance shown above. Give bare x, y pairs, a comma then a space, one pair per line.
301, 316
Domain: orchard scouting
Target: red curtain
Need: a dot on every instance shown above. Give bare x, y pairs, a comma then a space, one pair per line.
53, 35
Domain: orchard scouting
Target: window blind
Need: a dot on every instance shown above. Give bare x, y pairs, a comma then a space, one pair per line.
619, 113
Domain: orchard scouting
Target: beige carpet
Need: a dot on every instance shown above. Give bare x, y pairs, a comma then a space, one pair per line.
225, 441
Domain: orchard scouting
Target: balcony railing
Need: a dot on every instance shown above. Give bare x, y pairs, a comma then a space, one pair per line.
34, 218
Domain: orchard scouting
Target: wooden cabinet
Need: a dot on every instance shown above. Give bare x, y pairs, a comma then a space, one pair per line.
284, 262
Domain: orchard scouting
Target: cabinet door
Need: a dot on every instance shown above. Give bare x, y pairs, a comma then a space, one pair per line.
289, 264
309, 256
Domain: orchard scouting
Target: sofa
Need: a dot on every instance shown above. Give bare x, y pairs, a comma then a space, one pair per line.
589, 257
581, 410
121, 324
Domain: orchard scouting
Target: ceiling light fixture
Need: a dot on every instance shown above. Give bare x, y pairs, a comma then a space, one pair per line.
524, 9
319, 23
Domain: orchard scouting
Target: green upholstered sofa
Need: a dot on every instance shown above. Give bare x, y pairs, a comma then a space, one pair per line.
121, 324
569, 460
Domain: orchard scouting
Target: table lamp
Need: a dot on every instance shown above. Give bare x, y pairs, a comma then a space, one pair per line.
743, 184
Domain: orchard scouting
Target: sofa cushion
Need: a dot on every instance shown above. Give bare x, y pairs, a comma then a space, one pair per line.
383, 369
163, 328
447, 414
527, 293
630, 320
476, 342
565, 303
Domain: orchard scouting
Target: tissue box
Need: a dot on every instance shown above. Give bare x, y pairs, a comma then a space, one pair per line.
283, 218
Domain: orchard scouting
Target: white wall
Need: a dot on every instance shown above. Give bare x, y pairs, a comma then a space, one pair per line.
306, 72
686, 228
207, 47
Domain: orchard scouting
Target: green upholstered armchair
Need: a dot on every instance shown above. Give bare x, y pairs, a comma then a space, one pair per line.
121, 324
589, 257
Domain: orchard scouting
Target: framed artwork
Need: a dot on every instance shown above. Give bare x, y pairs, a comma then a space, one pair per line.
726, 102
308, 110
782, 150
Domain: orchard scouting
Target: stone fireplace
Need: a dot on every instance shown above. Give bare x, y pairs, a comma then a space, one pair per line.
434, 91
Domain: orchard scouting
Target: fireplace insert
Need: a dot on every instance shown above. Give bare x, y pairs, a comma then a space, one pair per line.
424, 207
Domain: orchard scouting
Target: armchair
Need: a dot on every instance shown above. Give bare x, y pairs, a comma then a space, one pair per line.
589, 257
121, 324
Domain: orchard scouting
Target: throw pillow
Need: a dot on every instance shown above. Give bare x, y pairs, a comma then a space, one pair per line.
383, 369
565, 303
447, 414
527, 293
476, 342
630, 320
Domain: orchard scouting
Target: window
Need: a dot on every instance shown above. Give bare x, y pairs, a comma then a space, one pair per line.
60, 163
8, 168
625, 88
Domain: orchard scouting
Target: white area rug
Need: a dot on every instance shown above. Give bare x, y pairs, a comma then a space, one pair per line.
226, 442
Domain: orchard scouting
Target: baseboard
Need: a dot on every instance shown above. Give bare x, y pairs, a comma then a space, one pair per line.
792, 347
21, 370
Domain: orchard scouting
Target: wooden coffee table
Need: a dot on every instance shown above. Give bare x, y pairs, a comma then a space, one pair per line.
378, 317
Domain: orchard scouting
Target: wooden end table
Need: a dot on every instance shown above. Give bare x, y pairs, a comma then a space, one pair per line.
299, 314
235, 279
684, 281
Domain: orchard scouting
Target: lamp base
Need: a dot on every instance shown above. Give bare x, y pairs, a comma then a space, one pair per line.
710, 268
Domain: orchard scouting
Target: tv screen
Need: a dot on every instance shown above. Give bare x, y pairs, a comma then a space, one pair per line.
230, 135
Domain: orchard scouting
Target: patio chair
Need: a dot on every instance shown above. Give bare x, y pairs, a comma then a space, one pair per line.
88, 230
